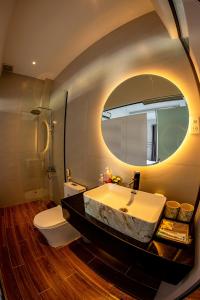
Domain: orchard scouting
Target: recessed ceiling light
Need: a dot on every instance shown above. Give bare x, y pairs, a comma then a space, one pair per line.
33, 62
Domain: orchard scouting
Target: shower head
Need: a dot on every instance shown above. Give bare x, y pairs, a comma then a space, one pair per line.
35, 112
46, 108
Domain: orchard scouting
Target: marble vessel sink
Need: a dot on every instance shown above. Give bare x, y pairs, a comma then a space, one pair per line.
135, 215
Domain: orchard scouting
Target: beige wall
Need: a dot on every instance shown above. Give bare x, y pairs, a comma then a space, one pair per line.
5, 16
141, 46
22, 171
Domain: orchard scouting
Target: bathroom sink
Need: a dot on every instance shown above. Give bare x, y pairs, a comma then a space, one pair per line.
135, 215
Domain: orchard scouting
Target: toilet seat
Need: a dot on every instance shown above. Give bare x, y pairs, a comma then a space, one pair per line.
49, 218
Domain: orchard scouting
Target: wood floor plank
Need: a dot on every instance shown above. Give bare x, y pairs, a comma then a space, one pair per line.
84, 269
25, 284
50, 294
194, 296
29, 213
9, 281
13, 248
18, 215
3, 240
59, 284
33, 207
2, 210
21, 232
8, 217
33, 268
1, 230
1, 255
63, 267
34, 244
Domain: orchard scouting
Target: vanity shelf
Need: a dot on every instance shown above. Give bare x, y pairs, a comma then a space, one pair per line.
157, 259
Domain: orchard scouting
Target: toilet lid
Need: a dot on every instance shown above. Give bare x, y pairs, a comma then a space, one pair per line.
49, 217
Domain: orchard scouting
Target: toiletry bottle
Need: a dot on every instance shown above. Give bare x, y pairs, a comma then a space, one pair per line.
101, 179
107, 175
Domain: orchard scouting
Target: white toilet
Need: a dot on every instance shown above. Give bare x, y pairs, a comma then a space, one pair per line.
51, 223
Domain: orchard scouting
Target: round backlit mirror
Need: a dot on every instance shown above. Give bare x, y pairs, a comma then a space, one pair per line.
145, 120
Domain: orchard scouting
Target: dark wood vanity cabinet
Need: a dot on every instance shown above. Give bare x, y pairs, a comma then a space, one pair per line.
157, 259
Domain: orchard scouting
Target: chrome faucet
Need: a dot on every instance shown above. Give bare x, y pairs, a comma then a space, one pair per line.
134, 185
130, 184
133, 193
135, 181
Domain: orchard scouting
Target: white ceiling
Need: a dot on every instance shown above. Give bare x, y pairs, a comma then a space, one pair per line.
54, 32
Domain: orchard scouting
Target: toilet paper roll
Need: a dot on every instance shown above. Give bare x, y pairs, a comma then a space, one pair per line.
171, 209
185, 212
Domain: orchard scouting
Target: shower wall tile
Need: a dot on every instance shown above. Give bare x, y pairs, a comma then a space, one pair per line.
10, 166
33, 184
11, 192
9, 128
27, 135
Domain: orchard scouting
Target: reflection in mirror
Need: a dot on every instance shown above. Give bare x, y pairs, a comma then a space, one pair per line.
145, 120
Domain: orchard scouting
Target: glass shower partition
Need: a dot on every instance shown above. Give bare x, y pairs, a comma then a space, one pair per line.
37, 156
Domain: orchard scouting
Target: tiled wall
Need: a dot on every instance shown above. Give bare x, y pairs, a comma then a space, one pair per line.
141, 46
22, 176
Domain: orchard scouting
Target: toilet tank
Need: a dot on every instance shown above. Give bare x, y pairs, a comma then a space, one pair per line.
71, 188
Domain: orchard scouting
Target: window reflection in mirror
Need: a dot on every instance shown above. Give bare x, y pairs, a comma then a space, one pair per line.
145, 120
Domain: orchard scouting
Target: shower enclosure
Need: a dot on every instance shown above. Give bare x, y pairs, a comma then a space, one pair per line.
39, 168
25, 155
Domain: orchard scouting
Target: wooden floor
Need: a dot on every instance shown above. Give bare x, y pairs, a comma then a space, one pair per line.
194, 296
30, 269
